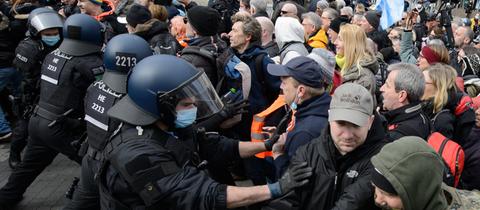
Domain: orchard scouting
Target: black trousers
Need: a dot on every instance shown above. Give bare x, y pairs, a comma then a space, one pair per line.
86, 196
43, 146
19, 136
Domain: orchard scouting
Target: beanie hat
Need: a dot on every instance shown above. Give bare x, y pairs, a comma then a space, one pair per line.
204, 20
97, 2
373, 19
325, 59
430, 55
337, 22
138, 14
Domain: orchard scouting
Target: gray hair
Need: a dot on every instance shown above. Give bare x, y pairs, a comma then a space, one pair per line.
410, 79
347, 11
259, 5
469, 33
322, 4
331, 13
312, 16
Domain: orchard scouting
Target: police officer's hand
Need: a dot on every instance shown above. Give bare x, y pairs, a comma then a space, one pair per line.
296, 176
232, 109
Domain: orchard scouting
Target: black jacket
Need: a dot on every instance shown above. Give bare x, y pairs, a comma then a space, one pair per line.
380, 38
408, 120
311, 118
469, 178
339, 182
160, 161
212, 44
157, 35
272, 49
447, 123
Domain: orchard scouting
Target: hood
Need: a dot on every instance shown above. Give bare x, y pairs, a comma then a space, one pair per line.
414, 169
369, 63
151, 28
316, 106
288, 29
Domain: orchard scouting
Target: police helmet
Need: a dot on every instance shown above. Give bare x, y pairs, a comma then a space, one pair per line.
82, 35
43, 18
156, 85
122, 53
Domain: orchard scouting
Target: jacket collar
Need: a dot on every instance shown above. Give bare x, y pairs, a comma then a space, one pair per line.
403, 113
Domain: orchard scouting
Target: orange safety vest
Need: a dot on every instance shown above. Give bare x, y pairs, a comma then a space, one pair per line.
259, 122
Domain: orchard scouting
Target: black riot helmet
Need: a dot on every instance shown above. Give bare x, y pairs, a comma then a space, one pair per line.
122, 53
157, 84
43, 18
82, 35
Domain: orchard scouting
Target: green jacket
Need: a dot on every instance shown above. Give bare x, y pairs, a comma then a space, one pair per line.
408, 51
415, 171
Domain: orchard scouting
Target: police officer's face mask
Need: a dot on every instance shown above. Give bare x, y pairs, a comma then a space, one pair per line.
51, 40
186, 117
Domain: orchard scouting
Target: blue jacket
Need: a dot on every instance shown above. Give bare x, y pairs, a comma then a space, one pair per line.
310, 120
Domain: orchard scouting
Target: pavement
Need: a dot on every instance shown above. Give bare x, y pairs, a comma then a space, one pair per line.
47, 192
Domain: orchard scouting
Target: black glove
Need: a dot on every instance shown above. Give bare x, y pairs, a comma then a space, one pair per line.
296, 176
270, 142
232, 109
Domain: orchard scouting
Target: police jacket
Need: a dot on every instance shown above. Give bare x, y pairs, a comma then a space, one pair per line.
64, 81
29, 56
148, 168
311, 118
98, 100
408, 120
339, 182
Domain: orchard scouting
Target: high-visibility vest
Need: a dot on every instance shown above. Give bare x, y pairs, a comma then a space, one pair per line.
259, 122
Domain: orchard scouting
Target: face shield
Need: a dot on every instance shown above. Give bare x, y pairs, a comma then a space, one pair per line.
200, 91
44, 21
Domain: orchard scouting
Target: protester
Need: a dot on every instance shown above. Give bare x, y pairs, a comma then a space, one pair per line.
290, 37
316, 37
107, 17
258, 8
267, 36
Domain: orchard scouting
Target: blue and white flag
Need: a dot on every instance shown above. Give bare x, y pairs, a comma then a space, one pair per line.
392, 11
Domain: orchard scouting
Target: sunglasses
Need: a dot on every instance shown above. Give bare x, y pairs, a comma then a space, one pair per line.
283, 12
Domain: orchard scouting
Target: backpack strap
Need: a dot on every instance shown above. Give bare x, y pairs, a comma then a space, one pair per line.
210, 56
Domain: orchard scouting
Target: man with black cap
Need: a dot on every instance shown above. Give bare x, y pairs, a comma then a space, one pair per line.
341, 155
371, 24
333, 31
408, 176
155, 32
204, 44
56, 120
108, 18
304, 84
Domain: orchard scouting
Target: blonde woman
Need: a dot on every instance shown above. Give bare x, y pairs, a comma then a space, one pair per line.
360, 65
433, 53
441, 99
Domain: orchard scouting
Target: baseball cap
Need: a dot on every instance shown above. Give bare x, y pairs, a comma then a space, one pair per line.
303, 69
352, 103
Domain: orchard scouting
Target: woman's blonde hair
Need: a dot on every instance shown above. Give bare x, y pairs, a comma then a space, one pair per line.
443, 78
354, 45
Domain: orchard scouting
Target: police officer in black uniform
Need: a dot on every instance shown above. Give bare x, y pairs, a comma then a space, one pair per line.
65, 76
147, 167
121, 54
44, 26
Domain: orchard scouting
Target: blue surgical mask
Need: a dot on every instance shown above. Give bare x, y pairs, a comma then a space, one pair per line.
51, 40
186, 117
294, 104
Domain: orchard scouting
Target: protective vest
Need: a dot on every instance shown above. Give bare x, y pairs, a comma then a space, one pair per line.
64, 81
99, 99
29, 56
142, 184
259, 122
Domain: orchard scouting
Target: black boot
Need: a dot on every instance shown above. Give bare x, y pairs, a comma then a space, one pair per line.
14, 159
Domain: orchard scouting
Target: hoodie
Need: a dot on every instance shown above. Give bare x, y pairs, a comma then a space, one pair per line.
415, 171
311, 118
363, 74
290, 36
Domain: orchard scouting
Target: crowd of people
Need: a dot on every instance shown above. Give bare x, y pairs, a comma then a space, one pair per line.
167, 104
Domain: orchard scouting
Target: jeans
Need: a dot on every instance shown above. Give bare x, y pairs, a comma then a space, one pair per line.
8, 77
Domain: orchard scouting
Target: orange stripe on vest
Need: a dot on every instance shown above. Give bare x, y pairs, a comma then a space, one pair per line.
259, 122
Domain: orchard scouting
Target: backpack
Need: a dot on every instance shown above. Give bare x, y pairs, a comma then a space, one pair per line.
165, 44
453, 157
226, 9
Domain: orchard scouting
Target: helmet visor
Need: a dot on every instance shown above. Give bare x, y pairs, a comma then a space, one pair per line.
199, 91
44, 21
